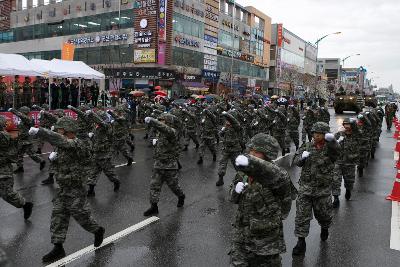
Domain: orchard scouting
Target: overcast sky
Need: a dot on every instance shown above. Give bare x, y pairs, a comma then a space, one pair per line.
369, 27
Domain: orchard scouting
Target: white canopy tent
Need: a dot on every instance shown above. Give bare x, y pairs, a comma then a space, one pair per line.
57, 68
13, 64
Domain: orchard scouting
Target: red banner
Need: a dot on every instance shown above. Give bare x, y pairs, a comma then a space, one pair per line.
280, 34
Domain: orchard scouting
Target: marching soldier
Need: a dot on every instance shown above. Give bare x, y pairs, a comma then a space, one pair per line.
166, 154
317, 160
190, 124
27, 92
16, 86
207, 135
70, 199
3, 89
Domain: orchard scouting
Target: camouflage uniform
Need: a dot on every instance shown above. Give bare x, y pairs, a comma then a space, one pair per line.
365, 128
261, 122
37, 87
16, 86
374, 137
390, 112
190, 124
121, 134
7, 157
232, 141
102, 150
279, 129
293, 126
315, 183
207, 133
323, 115
345, 166
70, 199
165, 168
308, 121
263, 204
3, 88
25, 144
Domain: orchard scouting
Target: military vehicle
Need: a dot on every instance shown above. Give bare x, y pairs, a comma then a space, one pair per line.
348, 103
371, 101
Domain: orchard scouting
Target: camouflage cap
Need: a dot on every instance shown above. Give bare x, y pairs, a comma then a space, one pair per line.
59, 113
25, 110
3, 122
83, 108
45, 107
169, 119
349, 121
102, 114
265, 144
66, 123
320, 127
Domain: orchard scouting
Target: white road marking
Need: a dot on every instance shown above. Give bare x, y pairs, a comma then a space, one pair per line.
46, 153
125, 164
395, 232
107, 241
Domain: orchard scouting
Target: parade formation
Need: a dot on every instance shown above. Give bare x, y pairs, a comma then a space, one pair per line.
230, 130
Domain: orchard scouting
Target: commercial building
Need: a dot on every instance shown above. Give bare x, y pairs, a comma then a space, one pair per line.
293, 63
179, 44
330, 68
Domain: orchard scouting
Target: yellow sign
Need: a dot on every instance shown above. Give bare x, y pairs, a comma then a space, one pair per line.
144, 56
67, 52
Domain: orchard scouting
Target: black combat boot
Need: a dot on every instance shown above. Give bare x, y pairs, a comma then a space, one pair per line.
200, 161
39, 151
324, 234
55, 254
214, 157
98, 237
19, 170
27, 210
117, 184
49, 180
360, 172
335, 202
181, 201
42, 165
130, 161
348, 194
220, 181
300, 248
185, 148
179, 165
283, 152
197, 145
146, 136
132, 148
91, 192
153, 210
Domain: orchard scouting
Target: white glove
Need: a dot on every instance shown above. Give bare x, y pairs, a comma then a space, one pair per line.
244, 119
288, 119
52, 156
69, 107
360, 116
33, 131
155, 142
305, 155
239, 187
274, 122
91, 135
41, 112
329, 137
224, 112
203, 120
256, 123
223, 129
88, 111
242, 160
147, 120
340, 139
186, 120
255, 109
52, 128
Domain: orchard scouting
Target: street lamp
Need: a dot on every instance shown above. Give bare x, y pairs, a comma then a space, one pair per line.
316, 67
346, 58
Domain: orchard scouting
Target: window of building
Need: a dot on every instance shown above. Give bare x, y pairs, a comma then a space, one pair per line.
188, 26
226, 9
35, 3
256, 22
46, 2
24, 4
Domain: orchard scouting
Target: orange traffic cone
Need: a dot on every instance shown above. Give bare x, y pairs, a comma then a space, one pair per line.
396, 133
398, 165
397, 148
395, 196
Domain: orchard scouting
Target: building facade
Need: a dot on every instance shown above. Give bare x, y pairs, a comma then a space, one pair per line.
200, 45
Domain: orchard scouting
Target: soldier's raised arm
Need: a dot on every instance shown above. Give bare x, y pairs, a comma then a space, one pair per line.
54, 138
24, 118
78, 112
161, 127
235, 123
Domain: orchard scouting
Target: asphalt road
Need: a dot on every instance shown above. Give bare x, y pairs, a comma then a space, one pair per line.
199, 234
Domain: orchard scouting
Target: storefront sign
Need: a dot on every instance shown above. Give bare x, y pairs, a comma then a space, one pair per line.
211, 75
67, 51
99, 39
280, 35
236, 54
162, 32
189, 8
146, 7
143, 39
211, 13
190, 77
186, 41
142, 73
229, 24
144, 56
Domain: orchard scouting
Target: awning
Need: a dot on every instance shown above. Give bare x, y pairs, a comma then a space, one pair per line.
13, 64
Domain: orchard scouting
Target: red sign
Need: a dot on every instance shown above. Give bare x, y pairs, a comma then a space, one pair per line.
280, 35
5, 11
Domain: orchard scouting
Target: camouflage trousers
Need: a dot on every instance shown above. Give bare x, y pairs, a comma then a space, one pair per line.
292, 135
28, 149
190, 136
7, 192
241, 257
223, 163
348, 172
306, 132
169, 176
204, 143
305, 207
102, 165
2, 100
120, 147
280, 137
65, 206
